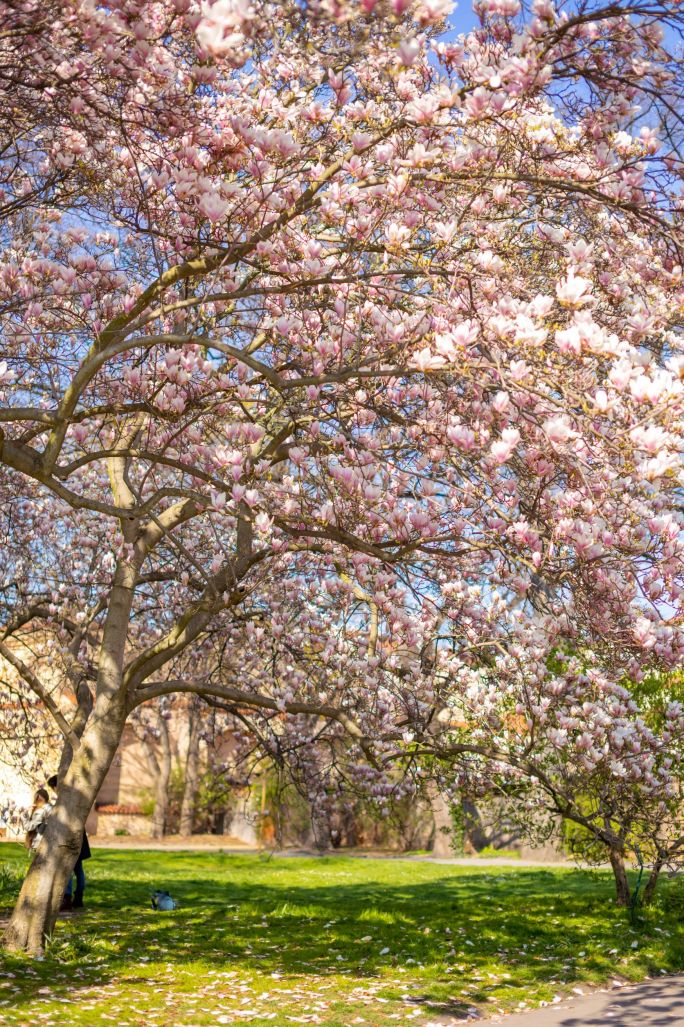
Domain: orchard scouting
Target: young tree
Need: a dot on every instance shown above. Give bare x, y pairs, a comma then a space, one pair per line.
301, 303
570, 744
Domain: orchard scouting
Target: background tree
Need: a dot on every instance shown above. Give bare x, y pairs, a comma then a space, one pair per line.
191, 770
574, 746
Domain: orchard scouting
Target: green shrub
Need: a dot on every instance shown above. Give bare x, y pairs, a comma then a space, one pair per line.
489, 852
11, 876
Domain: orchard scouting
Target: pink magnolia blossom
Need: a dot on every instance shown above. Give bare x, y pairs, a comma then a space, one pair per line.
430, 12
213, 206
558, 430
503, 448
263, 523
574, 291
220, 30
644, 633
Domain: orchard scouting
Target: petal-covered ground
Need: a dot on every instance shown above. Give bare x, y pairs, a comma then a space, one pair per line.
333, 941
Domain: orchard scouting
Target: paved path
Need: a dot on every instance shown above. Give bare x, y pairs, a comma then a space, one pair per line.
454, 861
655, 1003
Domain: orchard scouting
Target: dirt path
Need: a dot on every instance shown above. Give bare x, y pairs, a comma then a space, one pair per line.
233, 846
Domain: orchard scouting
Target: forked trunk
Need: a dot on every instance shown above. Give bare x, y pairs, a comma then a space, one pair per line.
35, 912
622, 893
78, 725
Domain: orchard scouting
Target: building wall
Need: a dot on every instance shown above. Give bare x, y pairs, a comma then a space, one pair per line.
129, 782
15, 787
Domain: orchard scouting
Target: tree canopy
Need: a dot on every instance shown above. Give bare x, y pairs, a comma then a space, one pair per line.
342, 373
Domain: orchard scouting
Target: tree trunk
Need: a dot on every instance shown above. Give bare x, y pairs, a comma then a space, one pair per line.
622, 892
84, 708
652, 883
161, 803
349, 828
444, 825
192, 776
35, 912
475, 831
320, 826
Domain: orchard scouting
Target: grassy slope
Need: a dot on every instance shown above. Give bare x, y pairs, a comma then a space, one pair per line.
330, 941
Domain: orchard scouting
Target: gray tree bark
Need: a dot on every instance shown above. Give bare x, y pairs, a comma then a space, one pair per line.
163, 769
84, 708
192, 776
35, 913
474, 828
617, 863
441, 813
652, 883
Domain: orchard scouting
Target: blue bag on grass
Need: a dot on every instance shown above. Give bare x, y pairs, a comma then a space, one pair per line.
162, 901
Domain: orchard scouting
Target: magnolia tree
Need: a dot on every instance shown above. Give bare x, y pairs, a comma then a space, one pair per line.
305, 308
568, 744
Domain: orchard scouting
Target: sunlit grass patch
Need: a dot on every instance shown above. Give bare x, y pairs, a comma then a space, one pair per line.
333, 941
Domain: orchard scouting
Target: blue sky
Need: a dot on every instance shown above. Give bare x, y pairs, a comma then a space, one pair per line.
463, 19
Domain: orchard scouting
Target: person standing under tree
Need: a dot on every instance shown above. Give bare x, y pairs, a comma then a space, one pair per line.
39, 814
70, 902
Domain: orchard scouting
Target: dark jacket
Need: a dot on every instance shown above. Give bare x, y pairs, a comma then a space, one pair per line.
85, 848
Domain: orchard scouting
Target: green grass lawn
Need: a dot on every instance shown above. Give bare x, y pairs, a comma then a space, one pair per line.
332, 941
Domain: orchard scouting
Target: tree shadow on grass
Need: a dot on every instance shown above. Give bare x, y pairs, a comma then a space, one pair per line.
272, 917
